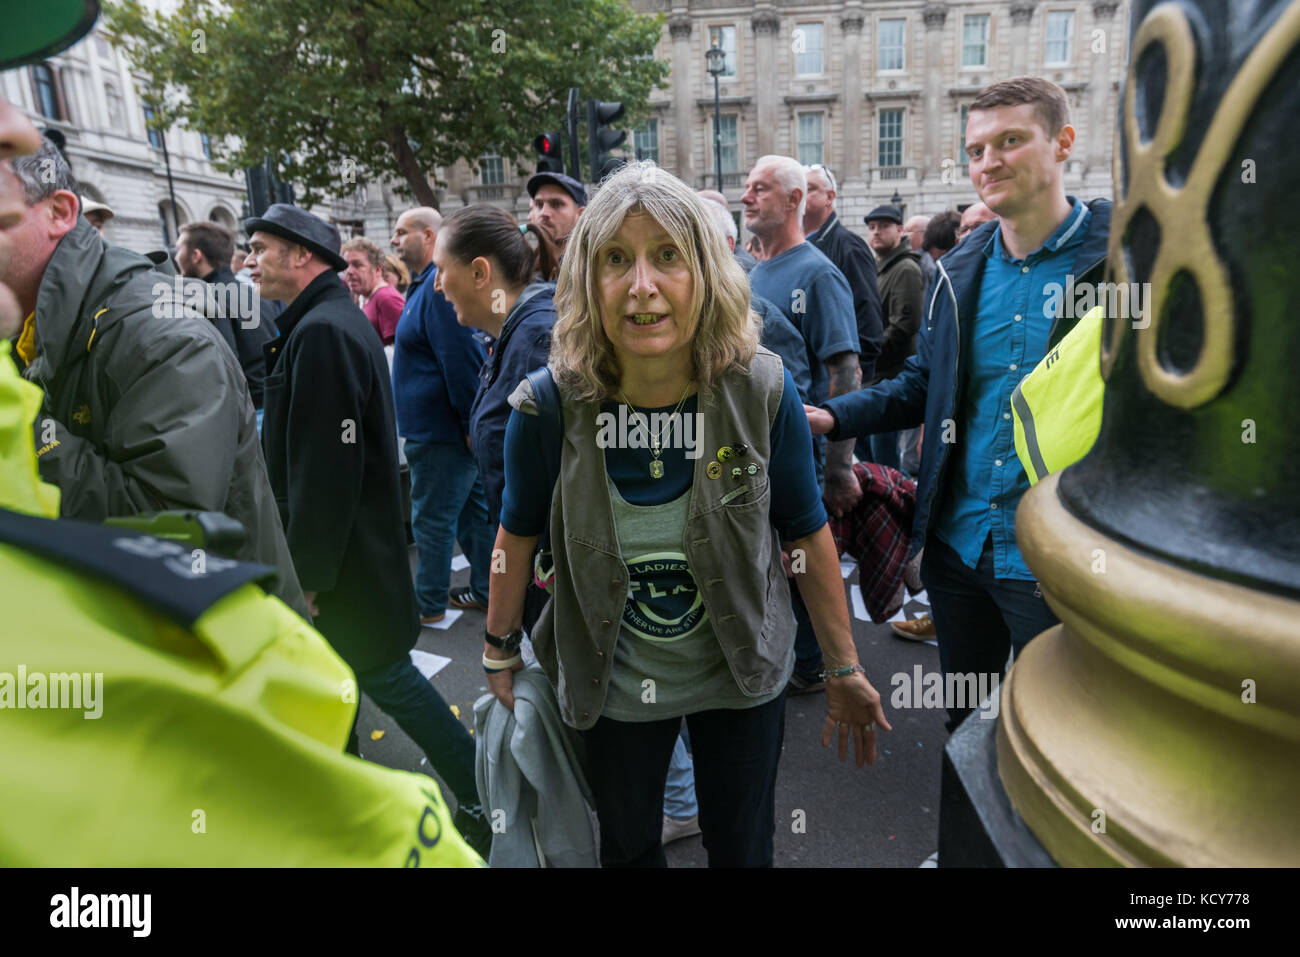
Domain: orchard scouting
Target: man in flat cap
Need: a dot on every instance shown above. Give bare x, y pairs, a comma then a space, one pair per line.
331, 451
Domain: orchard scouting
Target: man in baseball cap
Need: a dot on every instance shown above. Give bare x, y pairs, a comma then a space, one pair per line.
558, 201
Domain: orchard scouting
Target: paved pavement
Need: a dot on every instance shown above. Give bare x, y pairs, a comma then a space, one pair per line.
828, 813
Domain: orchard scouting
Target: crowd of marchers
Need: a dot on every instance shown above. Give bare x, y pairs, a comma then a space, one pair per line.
854, 398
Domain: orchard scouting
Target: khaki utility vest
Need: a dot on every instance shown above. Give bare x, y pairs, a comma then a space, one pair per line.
733, 550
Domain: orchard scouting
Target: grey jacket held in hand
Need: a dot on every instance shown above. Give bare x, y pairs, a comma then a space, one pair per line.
145, 407
528, 769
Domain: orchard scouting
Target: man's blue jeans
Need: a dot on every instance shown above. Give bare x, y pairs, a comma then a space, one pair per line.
881, 448
447, 504
884, 449
978, 617
406, 696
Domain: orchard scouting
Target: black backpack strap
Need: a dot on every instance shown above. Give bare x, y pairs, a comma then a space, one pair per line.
550, 414
550, 417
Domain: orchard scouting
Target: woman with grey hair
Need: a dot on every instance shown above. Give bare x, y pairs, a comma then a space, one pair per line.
685, 462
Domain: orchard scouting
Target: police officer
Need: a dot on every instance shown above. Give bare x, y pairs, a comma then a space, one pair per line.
159, 707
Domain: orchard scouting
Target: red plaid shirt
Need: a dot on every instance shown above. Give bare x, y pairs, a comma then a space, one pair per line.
878, 534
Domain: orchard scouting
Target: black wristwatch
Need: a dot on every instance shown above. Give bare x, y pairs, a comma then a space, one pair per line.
509, 642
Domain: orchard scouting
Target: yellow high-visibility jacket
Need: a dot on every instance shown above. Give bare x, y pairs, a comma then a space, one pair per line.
1057, 407
150, 715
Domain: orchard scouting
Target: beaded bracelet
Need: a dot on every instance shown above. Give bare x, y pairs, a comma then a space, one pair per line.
844, 672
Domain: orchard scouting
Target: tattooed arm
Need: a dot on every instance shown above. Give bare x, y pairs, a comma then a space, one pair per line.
842, 490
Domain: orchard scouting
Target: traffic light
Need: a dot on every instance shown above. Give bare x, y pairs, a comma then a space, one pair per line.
601, 138
549, 157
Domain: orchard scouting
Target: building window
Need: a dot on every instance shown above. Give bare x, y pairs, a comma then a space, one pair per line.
891, 138
892, 34
810, 139
646, 141
47, 92
165, 217
963, 161
729, 140
155, 136
491, 170
1060, 28
975, 39
114, 102
724, 38
206, 142
808, 49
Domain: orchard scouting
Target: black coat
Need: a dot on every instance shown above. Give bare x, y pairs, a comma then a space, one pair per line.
331, 452
853, 257
244, 332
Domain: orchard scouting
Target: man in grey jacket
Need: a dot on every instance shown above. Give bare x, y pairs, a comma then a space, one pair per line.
145, 408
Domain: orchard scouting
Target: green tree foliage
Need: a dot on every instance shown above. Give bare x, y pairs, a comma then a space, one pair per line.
340, 92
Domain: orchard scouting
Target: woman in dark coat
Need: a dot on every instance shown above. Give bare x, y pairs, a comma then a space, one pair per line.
488, 270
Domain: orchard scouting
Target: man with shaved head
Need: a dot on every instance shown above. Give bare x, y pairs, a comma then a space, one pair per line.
436, 364
914, 230
975, 215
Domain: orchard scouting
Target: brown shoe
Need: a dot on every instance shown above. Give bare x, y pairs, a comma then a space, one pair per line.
432, 619
918, 629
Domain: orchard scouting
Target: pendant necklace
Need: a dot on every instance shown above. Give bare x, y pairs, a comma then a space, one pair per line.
656, 466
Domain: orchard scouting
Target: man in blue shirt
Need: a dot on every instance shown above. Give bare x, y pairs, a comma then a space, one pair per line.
436, 365
814, 295
991, 316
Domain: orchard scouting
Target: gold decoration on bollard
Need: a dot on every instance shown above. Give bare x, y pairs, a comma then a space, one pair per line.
1159, 723
1186, 246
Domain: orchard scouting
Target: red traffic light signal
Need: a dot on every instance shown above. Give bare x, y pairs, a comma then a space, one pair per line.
549, 157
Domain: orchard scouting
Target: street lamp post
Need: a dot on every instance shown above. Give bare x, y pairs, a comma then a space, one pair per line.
717, 61
897, 200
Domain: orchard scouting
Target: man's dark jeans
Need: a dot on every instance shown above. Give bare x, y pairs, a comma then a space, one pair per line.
736, 754
408, 698
979, 618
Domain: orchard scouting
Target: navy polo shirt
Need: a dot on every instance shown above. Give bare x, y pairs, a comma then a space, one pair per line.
1008, 338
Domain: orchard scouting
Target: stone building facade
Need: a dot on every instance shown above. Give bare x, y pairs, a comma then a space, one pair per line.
876, 90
